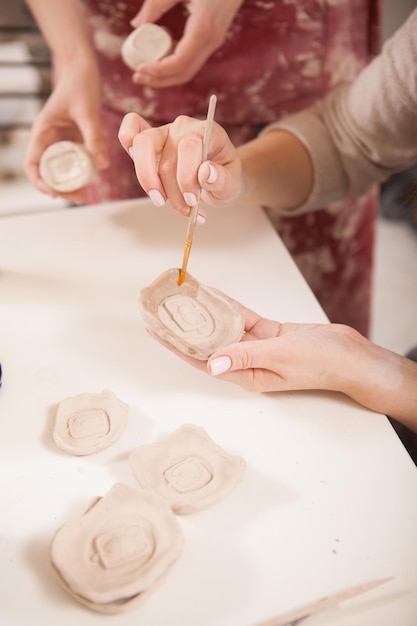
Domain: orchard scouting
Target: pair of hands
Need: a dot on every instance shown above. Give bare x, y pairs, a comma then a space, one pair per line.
73, 110
271, 356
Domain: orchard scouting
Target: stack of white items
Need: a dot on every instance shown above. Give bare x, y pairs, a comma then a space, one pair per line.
20, 85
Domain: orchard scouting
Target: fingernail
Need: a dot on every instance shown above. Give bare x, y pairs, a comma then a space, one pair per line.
200, 219
212, 177
156, 197
140, 77
190, 198
220, 365
131, 151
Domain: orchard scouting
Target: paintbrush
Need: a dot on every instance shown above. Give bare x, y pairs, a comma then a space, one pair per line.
194, 210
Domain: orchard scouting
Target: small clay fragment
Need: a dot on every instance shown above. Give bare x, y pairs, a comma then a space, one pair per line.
193, 318
112, 557
88, 423
187, 469
66, 166
146, 44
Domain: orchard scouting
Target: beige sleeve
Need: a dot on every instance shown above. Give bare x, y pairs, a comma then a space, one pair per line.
364, 131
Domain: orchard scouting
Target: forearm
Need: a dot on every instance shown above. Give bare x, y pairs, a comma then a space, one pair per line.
277, 171
359, 134
63, 27
382, 381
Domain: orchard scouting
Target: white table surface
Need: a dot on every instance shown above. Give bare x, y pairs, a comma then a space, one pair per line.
329, 497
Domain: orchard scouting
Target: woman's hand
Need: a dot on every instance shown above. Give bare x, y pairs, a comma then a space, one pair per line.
205, 31
72, 113
274, 356
286, 357
168, 162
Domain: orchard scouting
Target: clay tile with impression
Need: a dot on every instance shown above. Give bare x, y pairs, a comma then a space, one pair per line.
187, 468
88, 422
66, 166
112, 557
192, 317
146, 44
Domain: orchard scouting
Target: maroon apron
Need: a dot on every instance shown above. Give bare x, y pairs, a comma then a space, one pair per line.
279, 57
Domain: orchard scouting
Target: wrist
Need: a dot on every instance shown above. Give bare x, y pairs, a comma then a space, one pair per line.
81, 59
382, 381
278, 170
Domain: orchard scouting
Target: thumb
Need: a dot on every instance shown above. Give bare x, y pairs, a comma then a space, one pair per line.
222, 182
249, 364
95, 142
243, 355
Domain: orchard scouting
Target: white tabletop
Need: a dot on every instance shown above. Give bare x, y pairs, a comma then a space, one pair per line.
329, 496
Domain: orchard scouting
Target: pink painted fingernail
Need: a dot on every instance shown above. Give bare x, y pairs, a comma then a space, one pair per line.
156, 197
131, 152
190, 198
220, 365
142, 78
212, 177
201, 219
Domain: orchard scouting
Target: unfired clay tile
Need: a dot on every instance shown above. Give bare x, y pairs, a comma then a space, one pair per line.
88, 423
146, 44
112, 557
187, 469
193, 318
66, 166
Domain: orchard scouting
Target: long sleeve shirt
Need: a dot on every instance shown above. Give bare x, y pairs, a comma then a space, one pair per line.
364, 131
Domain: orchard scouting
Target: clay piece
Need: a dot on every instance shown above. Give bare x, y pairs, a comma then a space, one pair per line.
66, 166
187, 469
190, 316
146, 44
88, 423
114, 556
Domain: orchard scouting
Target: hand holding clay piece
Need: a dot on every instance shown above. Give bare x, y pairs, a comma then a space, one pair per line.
187, 469
191, 317
118, 551
146, 44
66, 166
88, 423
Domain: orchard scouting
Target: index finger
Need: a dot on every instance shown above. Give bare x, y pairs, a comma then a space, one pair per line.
177, 68
132, 124
144, 145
